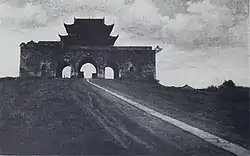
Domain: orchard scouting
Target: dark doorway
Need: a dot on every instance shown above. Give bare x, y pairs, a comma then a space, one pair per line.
43, 70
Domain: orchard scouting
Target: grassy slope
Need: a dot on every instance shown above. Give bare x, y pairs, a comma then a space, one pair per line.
223, 113
42, 116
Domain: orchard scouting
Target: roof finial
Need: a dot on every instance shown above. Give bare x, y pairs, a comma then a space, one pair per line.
158, 49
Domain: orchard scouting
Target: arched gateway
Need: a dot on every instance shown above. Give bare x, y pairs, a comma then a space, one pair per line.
88, 41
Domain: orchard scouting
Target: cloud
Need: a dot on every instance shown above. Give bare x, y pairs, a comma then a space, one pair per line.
202, 68
188, 24
205, 25
29, 16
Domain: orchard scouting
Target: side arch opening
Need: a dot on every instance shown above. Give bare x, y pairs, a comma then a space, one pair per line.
111, 70
63, 70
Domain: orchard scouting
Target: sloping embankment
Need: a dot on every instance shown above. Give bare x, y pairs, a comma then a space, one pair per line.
43, 116
225, 114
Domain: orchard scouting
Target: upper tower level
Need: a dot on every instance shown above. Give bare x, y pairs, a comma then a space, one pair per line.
88, 32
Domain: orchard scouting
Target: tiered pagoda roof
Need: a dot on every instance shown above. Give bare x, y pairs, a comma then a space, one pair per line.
89, 32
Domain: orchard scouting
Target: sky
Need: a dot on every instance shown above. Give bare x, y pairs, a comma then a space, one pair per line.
204, 41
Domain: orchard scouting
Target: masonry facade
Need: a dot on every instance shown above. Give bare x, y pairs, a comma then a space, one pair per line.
88, 41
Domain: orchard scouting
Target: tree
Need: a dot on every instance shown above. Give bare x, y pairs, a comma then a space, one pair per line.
227, 84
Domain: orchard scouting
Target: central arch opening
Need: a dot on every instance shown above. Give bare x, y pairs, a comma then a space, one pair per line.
87, 68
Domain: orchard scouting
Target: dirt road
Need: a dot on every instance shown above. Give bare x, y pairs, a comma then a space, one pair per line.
73, 117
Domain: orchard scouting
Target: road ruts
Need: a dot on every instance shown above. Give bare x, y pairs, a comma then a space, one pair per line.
72, 117
131, 124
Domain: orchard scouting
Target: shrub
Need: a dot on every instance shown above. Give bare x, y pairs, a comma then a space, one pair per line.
212, 88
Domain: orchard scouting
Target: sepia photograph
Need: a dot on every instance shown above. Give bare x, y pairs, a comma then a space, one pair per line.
125, 77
